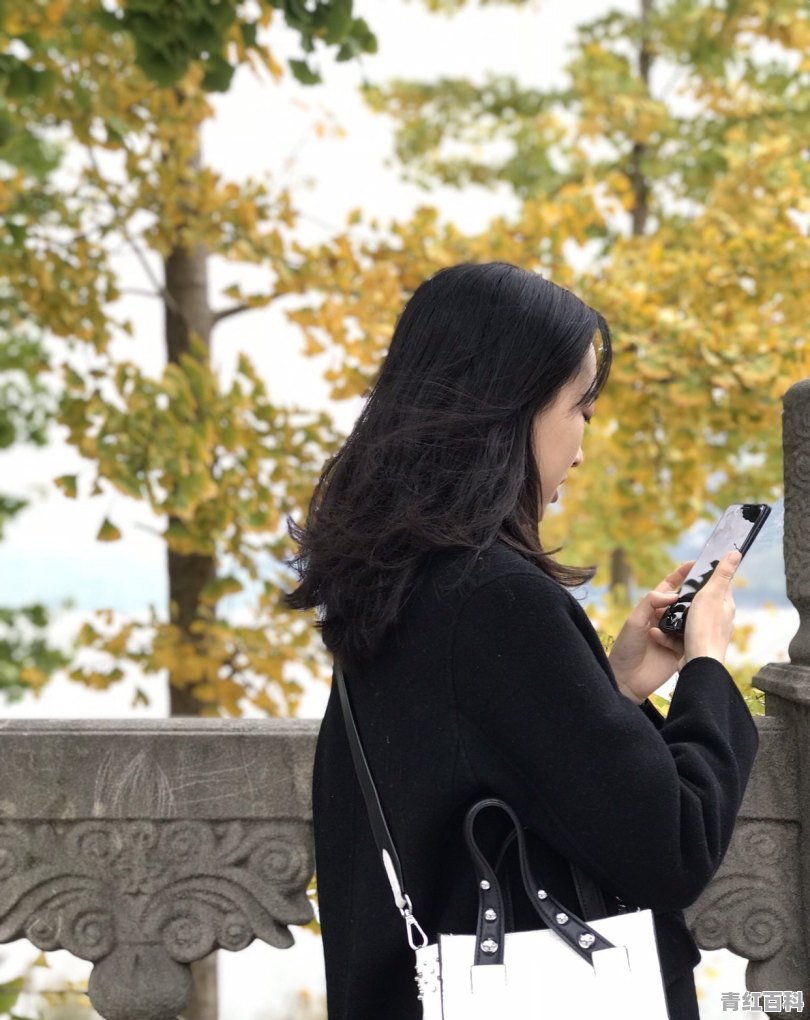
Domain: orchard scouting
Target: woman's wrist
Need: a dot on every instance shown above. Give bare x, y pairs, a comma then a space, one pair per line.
631, 695
708, 654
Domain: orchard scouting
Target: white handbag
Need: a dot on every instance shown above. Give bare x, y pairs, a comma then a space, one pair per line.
603, 969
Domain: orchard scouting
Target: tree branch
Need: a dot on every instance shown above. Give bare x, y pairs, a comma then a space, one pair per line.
226, 313
120, 222
243, 306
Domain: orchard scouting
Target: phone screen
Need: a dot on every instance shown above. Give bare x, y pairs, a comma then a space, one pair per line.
736, 529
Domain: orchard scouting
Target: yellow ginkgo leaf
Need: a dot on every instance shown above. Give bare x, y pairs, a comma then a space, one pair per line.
108, 531
67, 483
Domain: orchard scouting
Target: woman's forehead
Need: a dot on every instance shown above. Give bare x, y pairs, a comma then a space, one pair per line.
587, 371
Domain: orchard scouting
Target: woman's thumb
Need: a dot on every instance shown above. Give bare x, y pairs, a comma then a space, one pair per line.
727, 567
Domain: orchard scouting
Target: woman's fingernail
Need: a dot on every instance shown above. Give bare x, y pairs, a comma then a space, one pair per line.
735, 557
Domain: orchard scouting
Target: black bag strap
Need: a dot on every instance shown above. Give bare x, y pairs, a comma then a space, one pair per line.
590, 895
491, 928
376, 815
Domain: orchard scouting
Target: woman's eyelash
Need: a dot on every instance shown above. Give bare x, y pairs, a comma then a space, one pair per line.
587, 418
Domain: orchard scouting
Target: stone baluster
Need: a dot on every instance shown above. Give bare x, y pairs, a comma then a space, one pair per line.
796, 445
758, 904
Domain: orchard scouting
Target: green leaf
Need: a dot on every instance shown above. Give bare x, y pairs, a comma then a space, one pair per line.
249, 30
366, 39
218, 74
303, 72
128, 484
337, 20
9, 993
117, 127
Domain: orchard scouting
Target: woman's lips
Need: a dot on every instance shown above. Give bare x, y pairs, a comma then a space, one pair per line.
555, 497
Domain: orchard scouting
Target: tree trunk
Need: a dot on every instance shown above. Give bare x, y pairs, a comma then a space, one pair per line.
620, 570
187, 309
202, 1002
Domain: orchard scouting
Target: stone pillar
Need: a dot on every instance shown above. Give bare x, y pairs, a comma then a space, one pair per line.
787, 693
143, 846
796, 445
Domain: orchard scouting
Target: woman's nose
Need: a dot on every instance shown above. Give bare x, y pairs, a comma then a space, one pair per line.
578, 459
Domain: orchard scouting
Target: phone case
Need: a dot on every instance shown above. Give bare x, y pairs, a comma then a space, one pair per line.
670, 623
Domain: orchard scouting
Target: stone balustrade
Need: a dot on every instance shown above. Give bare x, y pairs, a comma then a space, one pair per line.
143, 846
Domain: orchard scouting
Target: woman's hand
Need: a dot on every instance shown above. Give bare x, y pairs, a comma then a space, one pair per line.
711, 615
643, 657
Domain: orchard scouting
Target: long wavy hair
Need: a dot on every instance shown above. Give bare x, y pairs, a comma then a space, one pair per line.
441, 456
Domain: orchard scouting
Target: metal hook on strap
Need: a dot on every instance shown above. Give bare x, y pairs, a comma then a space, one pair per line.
413, 927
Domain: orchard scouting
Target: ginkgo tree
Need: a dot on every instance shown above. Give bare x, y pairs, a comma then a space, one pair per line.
673, 163
126, 89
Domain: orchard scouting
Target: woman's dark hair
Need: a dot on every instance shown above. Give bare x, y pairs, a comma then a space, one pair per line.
441, 454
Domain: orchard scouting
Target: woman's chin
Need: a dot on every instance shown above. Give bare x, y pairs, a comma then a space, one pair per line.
545, 506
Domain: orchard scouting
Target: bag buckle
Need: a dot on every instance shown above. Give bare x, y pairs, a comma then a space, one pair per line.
412, 926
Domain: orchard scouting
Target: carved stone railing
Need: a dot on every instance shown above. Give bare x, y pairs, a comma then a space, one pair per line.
142, 846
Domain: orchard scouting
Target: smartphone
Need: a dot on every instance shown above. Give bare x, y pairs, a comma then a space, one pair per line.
737, 528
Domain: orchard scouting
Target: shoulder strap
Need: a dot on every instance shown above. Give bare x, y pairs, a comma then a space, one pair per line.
379, 826
590, 895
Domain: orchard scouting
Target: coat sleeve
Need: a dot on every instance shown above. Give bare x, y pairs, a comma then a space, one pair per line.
652, 713
649, 812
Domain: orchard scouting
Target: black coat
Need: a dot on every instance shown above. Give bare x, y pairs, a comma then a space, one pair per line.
501, 687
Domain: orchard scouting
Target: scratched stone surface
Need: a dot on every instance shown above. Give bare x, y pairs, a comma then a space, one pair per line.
796, 446
178, 768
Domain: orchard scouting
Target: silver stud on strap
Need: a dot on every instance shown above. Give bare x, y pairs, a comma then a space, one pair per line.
484, 884
541, 894
562, 918
490, 915
586, 939
489, 946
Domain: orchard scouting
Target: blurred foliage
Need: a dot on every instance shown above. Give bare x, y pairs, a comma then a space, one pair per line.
38, 994
451, 7
744, 675
675, 158
171, 36
96, 156
9, 994
27, 405
27, 661
312, 895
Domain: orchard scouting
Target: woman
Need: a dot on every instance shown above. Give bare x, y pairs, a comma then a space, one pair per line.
472, 669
